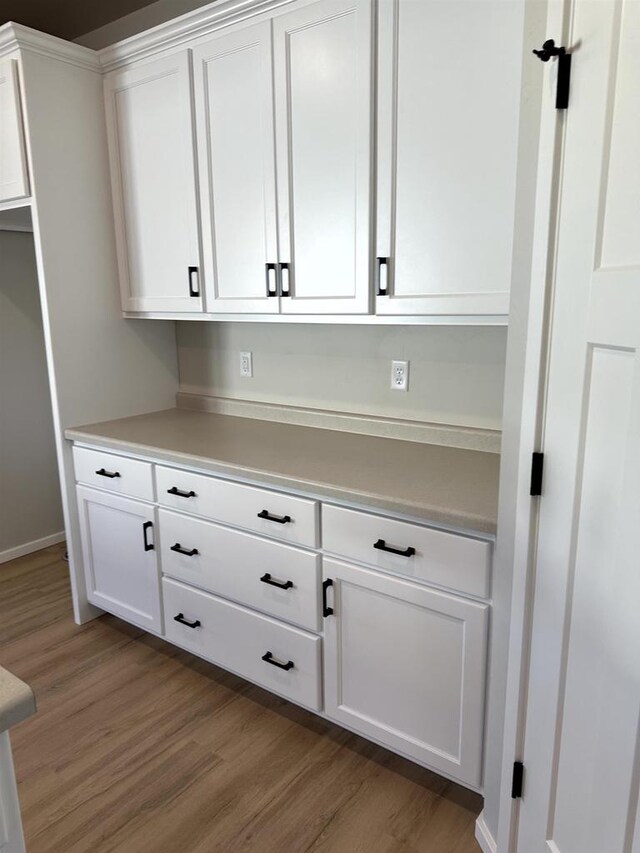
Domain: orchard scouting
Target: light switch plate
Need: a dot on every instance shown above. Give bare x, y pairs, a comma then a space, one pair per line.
399, 375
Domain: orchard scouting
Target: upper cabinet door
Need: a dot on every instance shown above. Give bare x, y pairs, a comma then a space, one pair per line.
233, 77
151, 142
14, 181
448, 110
323, 73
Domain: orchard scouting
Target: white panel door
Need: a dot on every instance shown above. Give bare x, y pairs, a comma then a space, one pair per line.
151, 146
14, 181
324, 138
448, 108
405, 665
119, 552
233, 77
582, 743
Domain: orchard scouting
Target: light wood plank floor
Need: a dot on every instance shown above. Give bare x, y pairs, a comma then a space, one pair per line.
141, 748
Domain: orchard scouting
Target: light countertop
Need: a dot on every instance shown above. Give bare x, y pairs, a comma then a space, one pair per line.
443, 485
17, 701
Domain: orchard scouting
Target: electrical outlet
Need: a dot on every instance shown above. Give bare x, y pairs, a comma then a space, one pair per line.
399, 375
246, 364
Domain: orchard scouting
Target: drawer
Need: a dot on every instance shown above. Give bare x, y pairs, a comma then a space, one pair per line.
284, 517
114, 473
277, 579
433, 556
244, 642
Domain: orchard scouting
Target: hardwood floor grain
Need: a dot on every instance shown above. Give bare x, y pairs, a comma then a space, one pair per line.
139, 747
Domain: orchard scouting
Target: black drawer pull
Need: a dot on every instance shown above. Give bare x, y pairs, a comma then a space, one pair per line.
326, 610
180, 618
269, 658
174, 490
382, 546
180, 550
148, 546
110, 474
266, 578
279, 519
272, 279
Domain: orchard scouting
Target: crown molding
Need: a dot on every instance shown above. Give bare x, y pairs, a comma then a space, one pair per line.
15, 37
183, 29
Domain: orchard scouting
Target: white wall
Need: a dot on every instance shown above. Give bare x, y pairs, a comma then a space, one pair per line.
30, 505
456, 373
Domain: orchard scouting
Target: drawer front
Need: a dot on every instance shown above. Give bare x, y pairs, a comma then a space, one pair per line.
272, 514
240, 640
277, 579
433, 556
115, 473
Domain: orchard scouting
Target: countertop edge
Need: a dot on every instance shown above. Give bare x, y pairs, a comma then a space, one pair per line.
17, 700
447, 519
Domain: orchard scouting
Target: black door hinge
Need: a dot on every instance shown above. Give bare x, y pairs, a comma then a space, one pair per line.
516, 783
546, 52
537, 466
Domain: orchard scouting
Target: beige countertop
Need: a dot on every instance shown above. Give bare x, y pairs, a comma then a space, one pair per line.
442, 485
17, 701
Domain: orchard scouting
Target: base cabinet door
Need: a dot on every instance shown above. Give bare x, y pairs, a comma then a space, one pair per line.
119, 549
151, 150
405, 665
14, 182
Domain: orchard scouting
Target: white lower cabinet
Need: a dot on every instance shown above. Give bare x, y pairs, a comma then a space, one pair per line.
120, 561
279, 657
405, 665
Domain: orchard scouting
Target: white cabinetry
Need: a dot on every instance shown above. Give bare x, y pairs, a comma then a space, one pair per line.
405, 665
120, 562
14, 181
448, 108
236, 150
323, 73
151, 148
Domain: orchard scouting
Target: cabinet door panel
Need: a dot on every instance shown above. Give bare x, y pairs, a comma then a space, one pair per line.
405, 665
323, 117
118, 546
14, 182
234, 110
151, 144
448, 111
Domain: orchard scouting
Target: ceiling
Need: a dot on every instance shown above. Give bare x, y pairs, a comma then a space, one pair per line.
67, 19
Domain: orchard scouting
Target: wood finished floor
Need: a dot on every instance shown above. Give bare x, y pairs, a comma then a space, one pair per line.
139, 747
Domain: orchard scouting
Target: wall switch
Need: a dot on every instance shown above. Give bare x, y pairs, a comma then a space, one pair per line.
399, 375
246, 364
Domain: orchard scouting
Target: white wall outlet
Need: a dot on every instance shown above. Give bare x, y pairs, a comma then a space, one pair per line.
399, 375
246, 364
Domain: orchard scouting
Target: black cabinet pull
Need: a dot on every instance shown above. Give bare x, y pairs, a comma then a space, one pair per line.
110, 474
269, 658
279, 519
326, 610
180, 618
148, 546
285, 281
194, 290
180, 550
382, 284
381, 545
271, 271
174, 490
266, 578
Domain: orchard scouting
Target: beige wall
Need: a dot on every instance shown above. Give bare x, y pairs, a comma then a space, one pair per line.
30, 506
456, 373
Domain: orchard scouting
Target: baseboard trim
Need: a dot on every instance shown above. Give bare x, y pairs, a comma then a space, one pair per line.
30, 547
467, 438
484, 837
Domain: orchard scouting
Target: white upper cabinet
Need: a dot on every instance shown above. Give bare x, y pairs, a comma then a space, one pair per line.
234, 110
448, 110
151, 143
14, 181
323, 75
